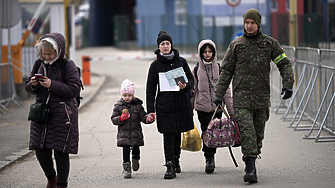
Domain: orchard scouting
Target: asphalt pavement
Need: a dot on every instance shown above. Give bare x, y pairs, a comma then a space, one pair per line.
296, 162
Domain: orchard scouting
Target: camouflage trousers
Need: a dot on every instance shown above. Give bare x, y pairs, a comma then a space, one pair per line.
252, 126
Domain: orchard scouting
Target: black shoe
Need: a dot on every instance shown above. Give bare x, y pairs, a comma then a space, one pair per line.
210, 165
177, 168
169, 174
250, 170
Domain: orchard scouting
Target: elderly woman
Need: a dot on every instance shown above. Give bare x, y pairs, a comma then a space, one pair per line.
173, 108
59, 134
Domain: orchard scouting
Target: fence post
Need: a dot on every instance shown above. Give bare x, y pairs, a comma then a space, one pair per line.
86, 70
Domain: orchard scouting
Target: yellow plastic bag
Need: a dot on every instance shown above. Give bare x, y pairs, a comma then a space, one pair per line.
191, 140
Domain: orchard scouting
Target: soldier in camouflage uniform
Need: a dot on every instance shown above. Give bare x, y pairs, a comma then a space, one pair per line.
247, 61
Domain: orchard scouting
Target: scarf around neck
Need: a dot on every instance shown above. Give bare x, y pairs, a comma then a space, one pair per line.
168, 56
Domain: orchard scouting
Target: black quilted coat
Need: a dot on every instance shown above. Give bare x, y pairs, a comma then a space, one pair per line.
60, 132
129, 132
173, 109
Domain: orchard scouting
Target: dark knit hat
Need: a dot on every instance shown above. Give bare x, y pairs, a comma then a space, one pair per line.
163, 35
254, 15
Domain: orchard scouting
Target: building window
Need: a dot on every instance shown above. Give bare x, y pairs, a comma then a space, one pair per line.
288, 5
180, 7
274, 6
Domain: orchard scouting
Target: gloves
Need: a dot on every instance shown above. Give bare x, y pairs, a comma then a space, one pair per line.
287, 92
217, 101
125, 116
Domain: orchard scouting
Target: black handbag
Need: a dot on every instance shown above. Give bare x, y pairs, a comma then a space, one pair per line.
39, 112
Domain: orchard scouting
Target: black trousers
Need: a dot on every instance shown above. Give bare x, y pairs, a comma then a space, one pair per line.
44, 157
204, 119
171, 145
126, 152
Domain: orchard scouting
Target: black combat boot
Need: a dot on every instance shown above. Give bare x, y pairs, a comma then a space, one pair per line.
250, 170
177, 168
210, 164
169, 174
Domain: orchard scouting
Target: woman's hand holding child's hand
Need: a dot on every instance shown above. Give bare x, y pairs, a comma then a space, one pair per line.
151, 117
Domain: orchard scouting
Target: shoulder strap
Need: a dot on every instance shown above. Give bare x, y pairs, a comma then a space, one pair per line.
65, 60
181, 61
39, 62
54, 79
196, 71
59, 66
232, 156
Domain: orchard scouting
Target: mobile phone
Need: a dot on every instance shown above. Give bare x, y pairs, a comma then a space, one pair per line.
181, 79
39, 77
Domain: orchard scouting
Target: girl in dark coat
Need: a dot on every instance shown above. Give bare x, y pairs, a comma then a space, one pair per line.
128, 113
60, 133
173, 108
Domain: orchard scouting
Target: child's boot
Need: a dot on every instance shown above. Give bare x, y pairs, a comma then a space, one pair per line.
127, 170
136, 164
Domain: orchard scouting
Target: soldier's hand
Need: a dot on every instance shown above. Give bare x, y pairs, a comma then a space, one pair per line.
217, 102
286, 92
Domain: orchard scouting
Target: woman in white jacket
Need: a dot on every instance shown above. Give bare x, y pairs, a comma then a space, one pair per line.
206, 75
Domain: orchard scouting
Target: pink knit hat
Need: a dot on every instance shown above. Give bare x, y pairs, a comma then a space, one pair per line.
127, 86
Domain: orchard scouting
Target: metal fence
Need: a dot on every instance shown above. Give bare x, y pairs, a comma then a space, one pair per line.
7, 87
8, 93
313, 94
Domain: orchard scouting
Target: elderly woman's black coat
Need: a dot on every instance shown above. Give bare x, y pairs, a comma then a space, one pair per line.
173, 109
60, 132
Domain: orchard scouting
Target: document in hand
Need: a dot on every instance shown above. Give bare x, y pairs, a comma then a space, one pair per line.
175, 73
164, 84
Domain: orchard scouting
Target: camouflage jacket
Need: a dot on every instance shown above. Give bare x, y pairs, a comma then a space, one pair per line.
247, 61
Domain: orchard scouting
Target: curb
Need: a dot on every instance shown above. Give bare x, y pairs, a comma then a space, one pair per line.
91, 96
15, 156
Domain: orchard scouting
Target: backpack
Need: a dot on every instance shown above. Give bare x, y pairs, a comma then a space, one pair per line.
65, 60
191, 91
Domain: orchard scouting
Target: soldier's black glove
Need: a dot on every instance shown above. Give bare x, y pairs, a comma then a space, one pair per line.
287, 92
217, 101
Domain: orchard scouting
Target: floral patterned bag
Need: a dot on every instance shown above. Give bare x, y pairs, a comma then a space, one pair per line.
221, 133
